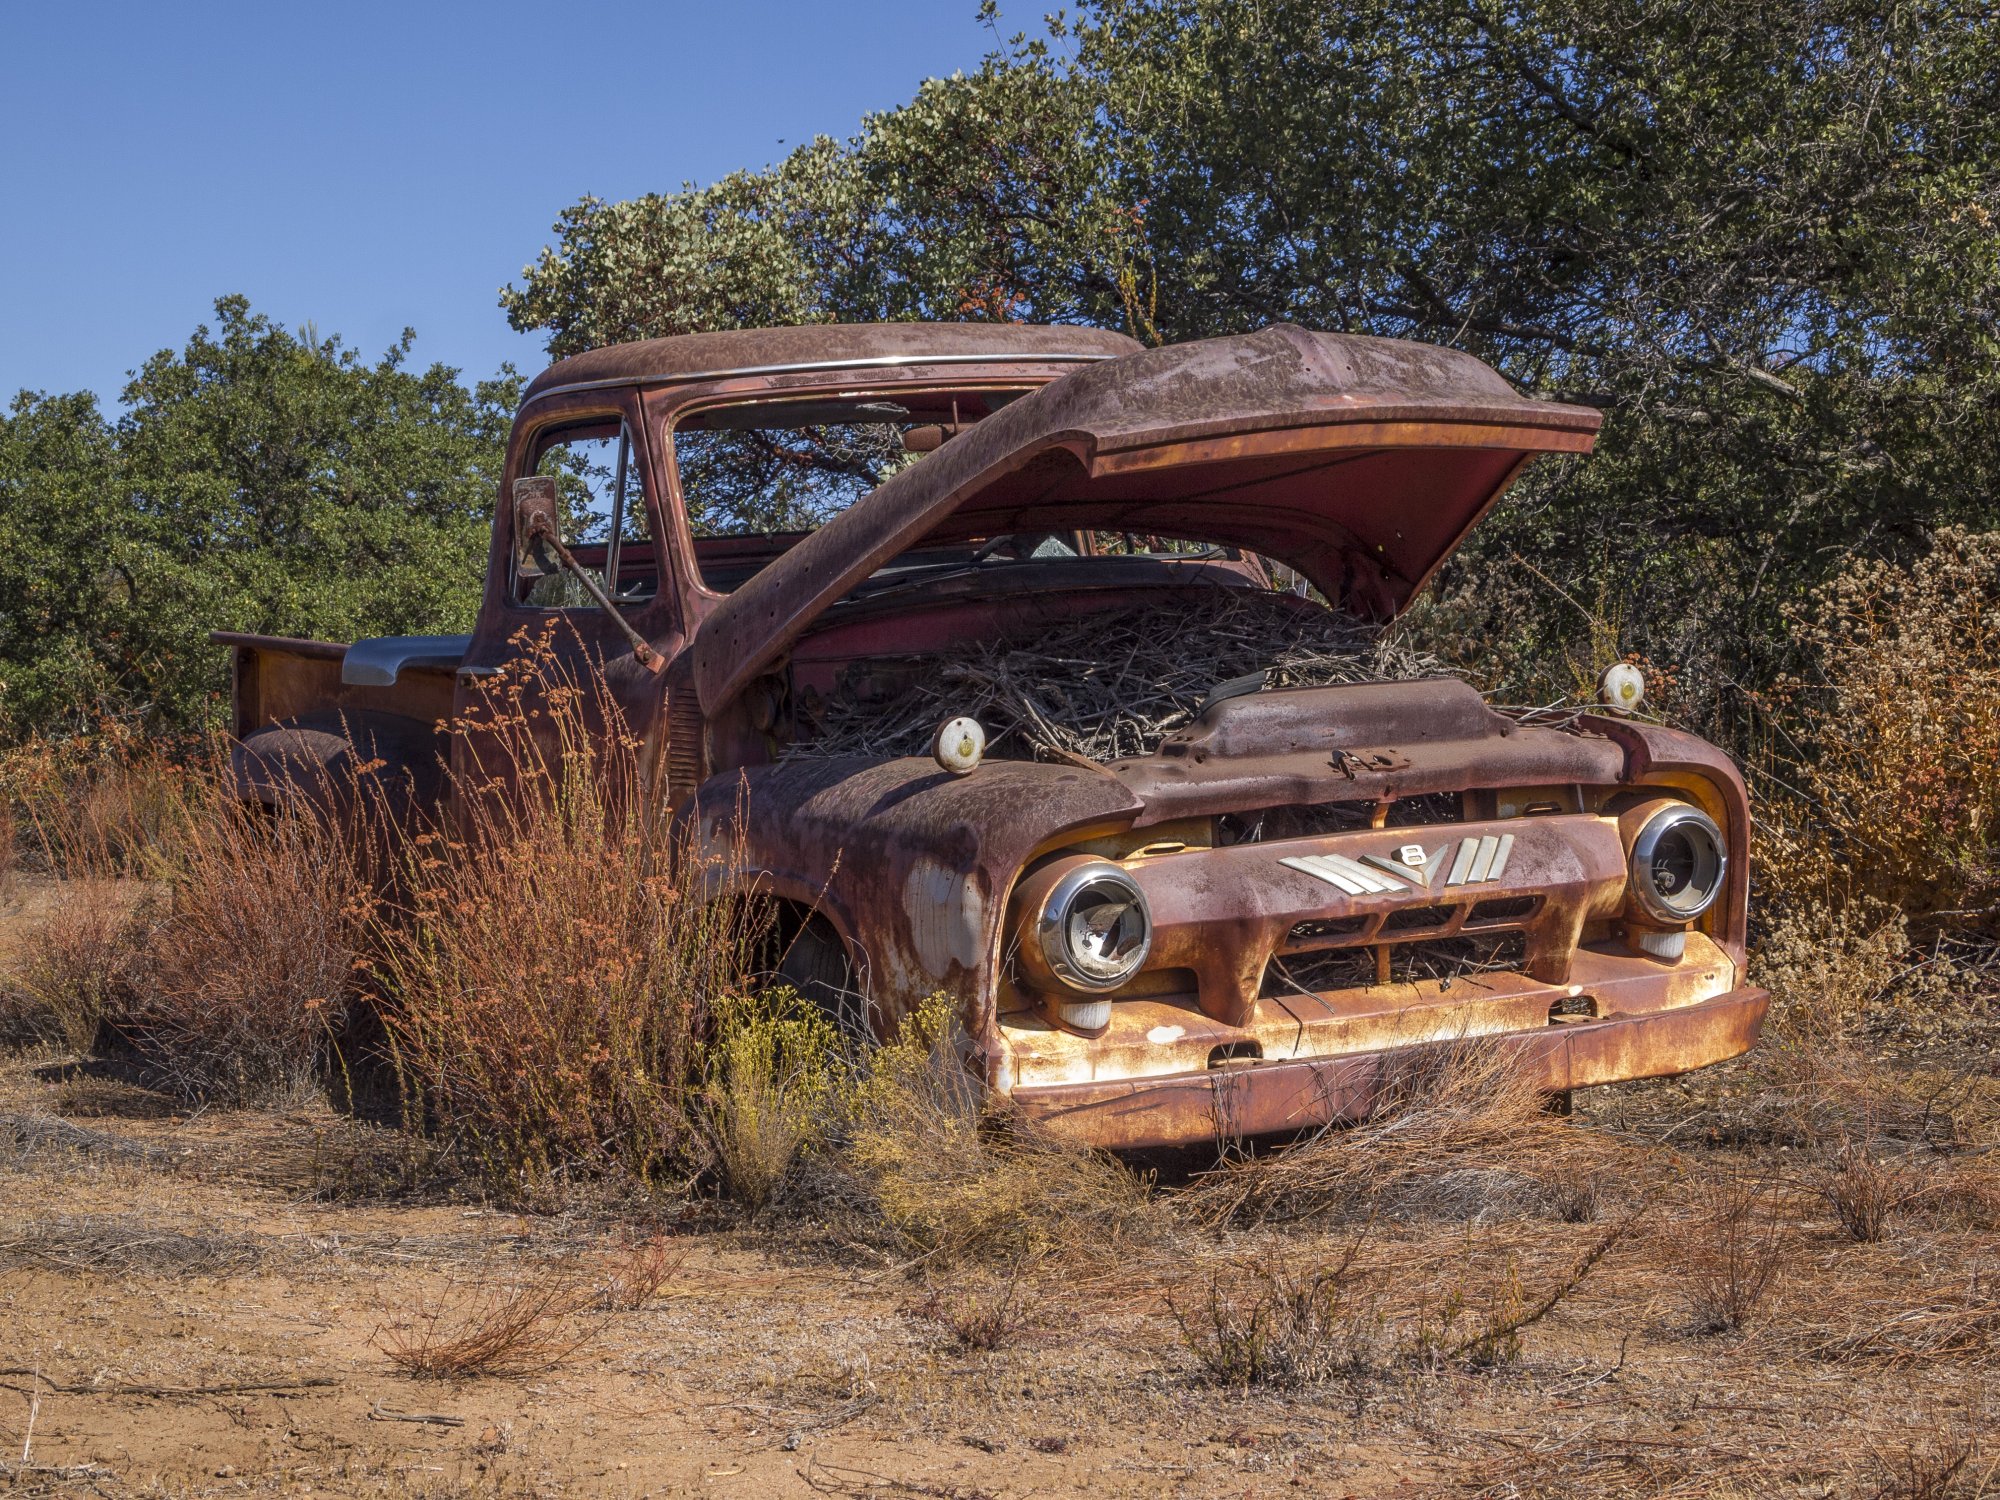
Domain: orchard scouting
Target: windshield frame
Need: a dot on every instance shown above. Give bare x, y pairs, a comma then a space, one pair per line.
1011, 379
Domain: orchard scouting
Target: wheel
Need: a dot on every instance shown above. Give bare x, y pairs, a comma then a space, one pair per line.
813, 961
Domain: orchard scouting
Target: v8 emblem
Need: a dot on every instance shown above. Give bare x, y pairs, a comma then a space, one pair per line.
1475, 861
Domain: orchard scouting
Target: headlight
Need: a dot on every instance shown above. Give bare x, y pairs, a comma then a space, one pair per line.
1678, 860
1093, 928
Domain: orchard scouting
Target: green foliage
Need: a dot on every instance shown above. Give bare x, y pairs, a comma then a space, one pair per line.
1762, 239
258, 480
969, 202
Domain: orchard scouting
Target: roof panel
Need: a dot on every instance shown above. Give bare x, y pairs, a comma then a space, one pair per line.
689, 355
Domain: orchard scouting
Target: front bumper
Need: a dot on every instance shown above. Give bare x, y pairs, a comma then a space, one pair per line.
1275, 1097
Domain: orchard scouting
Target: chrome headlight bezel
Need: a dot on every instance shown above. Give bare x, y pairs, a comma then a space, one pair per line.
1708, 853
1056, 928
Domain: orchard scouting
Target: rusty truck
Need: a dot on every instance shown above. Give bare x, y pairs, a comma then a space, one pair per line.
1232, 924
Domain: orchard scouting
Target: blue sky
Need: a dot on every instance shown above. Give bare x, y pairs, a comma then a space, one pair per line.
369, 166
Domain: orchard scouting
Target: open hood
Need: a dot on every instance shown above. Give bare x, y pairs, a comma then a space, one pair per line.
1361, 462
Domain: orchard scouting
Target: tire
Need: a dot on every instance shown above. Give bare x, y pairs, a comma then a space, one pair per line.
814, 963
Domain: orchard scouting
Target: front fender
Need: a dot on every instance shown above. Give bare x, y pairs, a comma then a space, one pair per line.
911, 864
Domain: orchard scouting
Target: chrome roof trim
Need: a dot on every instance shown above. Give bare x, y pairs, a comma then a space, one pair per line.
882, 361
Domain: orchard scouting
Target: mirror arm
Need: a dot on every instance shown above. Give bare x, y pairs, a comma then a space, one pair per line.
650, 659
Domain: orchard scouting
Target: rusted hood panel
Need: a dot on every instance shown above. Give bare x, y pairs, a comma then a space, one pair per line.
1362, 462
1369, 742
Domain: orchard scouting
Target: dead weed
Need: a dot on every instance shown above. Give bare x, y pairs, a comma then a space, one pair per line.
526, 1324
1731, 1251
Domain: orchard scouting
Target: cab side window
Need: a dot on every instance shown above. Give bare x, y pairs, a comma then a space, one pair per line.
602, 510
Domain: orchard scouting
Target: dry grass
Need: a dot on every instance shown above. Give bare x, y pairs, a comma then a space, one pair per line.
219, 944
1457, 1132
126, 1245
523, 1325
954, 1183
1947, 1465
1951, 1317
1877, 843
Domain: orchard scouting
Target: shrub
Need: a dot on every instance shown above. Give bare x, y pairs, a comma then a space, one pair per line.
956, 1182
1898, 767
105, 806
1273, 1328
1826, 965
1865, 1193
639, 1272
974, 1320
1732, 1254
78, 966
551, 970
521, 1326
771, 1081
250, 964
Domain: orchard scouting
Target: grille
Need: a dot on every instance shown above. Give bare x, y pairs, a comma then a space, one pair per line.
1326, 929
1412, 918
1505, 909
1300, 821
1440, 961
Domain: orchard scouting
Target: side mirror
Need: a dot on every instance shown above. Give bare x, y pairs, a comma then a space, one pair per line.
537, 514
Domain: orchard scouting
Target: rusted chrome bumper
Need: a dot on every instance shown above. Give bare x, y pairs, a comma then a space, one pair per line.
1277, 1097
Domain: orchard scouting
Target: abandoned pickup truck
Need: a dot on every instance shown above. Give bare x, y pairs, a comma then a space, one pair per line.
1049, 672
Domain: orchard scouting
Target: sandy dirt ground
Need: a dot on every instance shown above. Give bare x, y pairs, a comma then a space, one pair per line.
202, 1303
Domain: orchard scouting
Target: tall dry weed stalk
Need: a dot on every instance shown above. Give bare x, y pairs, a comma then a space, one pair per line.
10, 849
551, 970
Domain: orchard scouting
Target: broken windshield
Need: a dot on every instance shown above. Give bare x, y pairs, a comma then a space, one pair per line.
756, 476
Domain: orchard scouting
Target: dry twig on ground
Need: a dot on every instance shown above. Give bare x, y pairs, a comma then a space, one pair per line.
516, 1327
